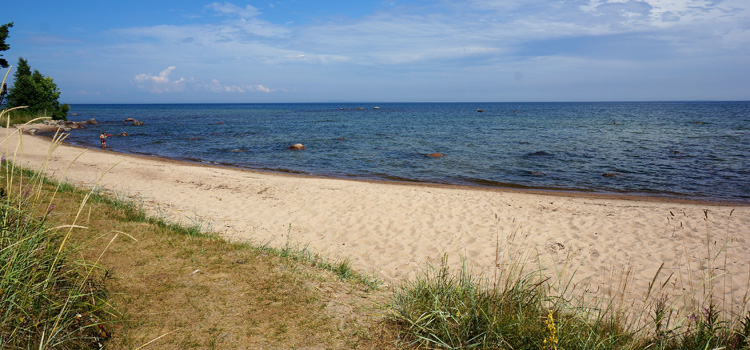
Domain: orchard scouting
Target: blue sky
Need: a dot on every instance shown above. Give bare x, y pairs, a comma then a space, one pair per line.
385, 51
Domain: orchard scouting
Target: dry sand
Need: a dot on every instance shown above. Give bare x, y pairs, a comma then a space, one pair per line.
392, 230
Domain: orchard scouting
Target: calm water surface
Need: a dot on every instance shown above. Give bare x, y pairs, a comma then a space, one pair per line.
689, 150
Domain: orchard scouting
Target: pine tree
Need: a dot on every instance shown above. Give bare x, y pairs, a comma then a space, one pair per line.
3, 46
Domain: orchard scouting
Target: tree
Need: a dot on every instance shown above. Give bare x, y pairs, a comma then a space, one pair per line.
3, 45
3, 62
38, 92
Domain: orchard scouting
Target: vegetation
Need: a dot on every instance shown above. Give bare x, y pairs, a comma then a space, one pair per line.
3, 62
36, 91
49, 298
19, 116
4, 29
443, 310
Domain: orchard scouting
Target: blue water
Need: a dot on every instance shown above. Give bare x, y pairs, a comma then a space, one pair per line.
688, 150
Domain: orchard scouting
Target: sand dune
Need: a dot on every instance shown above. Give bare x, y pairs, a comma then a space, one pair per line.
392, 230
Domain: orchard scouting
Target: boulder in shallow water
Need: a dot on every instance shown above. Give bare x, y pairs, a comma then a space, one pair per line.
539, 154
436, 155
124, 134
138, 123
297, 147
92, 121
130, 120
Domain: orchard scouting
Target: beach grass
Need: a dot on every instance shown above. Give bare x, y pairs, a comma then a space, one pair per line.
49, 297
539, 308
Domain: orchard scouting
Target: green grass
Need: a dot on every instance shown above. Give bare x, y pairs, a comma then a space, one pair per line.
21, 116
49, 298
444, 310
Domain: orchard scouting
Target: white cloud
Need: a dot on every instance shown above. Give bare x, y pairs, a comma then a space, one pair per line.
216, 86
161, 83
232, 10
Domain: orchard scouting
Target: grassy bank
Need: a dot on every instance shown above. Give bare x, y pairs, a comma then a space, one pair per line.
175, 286
21, 116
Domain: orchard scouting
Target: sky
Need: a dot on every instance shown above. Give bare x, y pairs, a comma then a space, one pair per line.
186, 51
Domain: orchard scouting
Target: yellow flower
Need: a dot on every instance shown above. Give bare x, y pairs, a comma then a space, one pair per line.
550, 340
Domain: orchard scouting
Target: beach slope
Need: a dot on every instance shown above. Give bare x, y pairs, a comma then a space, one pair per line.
392, 230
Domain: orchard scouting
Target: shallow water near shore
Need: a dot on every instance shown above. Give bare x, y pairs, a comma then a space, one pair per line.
686, 150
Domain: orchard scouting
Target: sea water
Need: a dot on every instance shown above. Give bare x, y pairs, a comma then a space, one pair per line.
688, 150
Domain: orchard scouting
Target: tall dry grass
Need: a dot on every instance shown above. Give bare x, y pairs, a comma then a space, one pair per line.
49, 298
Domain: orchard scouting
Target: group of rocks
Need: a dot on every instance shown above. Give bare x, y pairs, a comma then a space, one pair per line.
135, 122
67, 125
56, 126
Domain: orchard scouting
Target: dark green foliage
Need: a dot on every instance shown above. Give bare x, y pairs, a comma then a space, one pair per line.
3, 45
38, 92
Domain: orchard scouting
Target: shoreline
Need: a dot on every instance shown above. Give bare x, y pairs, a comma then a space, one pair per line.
579, 193
392, 230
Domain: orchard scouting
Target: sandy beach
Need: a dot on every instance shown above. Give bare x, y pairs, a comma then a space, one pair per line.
392, 230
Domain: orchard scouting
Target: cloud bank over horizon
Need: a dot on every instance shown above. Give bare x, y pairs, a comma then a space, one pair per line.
420, 50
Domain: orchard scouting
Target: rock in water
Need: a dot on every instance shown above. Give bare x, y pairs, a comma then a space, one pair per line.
297, 146
436, 155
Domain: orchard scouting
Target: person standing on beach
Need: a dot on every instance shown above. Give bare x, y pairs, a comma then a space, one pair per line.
103, 138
